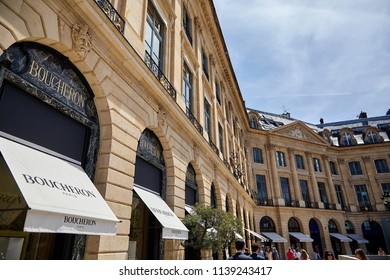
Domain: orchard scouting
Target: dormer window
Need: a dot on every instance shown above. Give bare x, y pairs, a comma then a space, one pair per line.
253, 121
371, 136
346, 138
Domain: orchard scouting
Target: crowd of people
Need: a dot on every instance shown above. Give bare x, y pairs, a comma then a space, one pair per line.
292, 253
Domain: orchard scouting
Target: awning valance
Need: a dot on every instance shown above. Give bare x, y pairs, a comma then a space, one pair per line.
274, 237
358, 238
173, 228
58, 195
301, 237
340, 237
262, 238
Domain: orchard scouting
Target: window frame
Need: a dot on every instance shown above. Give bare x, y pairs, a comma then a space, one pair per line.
381, 166
188, 87
261, 185
280, 159
153, 18
187, 24
317, 165
355, 168
300, 164
257, 155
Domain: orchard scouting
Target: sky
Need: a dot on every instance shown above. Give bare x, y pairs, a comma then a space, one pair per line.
315, 59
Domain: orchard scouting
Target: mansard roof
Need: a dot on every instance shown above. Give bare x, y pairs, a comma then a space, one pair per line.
331, 133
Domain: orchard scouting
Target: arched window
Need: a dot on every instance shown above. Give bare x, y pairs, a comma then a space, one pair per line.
191, 195
293, 225
267, 225
332, 227
346, 138
371, 136
349, 227
149, 165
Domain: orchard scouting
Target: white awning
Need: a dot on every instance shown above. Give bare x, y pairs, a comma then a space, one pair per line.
274, 237
59, 195
262, 238
238, 236
340, 237
358, 238
301, 237
173, 228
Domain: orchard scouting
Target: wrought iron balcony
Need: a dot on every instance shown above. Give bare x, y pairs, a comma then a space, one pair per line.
214, 147
160, 75
226, 162
194, 121
311, 204
291, 203
112, 14
366, 207
264, 202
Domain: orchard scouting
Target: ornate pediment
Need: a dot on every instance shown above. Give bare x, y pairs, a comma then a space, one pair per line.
299, 131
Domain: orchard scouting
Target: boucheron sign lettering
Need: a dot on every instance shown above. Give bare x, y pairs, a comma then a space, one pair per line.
52, 73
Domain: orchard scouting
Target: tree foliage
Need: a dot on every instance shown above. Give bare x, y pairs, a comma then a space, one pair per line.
211, 228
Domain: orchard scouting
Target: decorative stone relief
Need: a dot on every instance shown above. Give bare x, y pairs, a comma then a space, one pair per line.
297, 132
82, 39
161, 116
196, 152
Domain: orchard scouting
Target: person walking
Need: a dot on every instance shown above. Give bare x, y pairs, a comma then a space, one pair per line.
328, 255
316, 253
268, 253
298, 253
275, 253
381, 252
304, 255
290, 254
240, 252
360, 255
256, 252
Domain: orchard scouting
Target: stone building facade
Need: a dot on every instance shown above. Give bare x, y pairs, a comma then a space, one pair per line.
145, 92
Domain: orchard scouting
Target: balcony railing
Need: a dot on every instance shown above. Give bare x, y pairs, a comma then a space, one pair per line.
227, 164
214, 147
194, 121
112, 14
264, 202
291, 203
366, 207
160, 75
311, 204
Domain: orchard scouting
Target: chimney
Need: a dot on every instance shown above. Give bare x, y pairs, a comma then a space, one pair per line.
321, 121
287, 115
363, 115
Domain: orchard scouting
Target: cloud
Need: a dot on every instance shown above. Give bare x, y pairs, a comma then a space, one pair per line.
313, 49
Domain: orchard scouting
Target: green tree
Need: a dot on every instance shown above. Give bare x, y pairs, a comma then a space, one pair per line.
211, 228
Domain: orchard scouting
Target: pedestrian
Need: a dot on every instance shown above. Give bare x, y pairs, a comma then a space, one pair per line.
268, 253
328, 255
255, 252
261, 253
316, 253
240, 252
275, 253
289, 254
304, 255
360, 255
298, 254
381, 252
